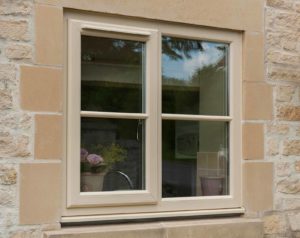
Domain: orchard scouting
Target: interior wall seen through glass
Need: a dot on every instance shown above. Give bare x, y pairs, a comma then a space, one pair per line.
112, 74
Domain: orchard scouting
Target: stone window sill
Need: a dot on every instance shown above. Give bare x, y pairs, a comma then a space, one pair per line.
217, 227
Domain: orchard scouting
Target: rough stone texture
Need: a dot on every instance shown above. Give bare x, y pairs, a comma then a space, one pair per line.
16, 120
285, 93
8, 72
13, 145
18, 51
288, 113
274, 224
283, 169
15, 7
283, 74
277, 129
273, 146
26, 234
14, 29
7, 198
8, 175
6, 100
291, 203
289, 186
281, 4
294, 220
291, 147
297, 166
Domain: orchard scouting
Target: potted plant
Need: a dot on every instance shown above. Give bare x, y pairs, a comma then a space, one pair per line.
213, 183
94, 166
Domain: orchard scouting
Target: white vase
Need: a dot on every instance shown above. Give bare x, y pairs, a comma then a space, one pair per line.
91, 182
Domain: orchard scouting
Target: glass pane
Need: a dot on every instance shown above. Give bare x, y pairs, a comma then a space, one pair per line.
195, 159
112, 75
194, 77
112, 154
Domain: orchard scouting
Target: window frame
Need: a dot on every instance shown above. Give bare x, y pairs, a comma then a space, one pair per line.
147, 203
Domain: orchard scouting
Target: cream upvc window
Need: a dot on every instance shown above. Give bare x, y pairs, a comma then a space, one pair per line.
153, 119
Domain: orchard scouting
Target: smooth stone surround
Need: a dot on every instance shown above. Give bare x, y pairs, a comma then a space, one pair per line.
208, 228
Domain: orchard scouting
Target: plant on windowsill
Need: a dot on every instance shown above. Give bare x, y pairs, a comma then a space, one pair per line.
93, 167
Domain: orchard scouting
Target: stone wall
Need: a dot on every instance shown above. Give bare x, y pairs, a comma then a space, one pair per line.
16, 124
282, 137
30, 129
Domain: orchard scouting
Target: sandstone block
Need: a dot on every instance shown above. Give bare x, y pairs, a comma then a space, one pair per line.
16, 7
283, 169
254, 107
291, 147
285, 93
274, 224
297, 166
6, 100
258, 186
273, 40
294, 220
289, 41
18, 51
277, 129
7, 72
289, 186
49, 31
41, 88
48, 137
13, 146
280, 58
288, 113
283, 4
7, 198
253, 141
297, 6
14, 29
272, 147
26, 234
16, 120
8, 175
291, 203
284, 74
285, 20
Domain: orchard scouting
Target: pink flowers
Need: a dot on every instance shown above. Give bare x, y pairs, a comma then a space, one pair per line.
92, 159
83, 154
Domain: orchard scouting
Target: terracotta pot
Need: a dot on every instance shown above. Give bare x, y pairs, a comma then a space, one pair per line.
212, 186
91, 182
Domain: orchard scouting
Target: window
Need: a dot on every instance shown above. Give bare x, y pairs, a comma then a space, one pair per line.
153, 119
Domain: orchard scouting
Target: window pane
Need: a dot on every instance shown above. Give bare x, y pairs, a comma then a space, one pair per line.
195, 159
112, 74
194, 77
112, 154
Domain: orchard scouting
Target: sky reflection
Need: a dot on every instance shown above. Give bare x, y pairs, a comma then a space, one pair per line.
183, 69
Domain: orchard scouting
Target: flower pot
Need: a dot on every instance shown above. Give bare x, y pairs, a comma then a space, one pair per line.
91, 182
212, 186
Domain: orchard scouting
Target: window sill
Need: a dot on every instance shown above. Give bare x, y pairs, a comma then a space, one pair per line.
216, 227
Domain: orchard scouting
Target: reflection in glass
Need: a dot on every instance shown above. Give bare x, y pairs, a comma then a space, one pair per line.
112, 74
112, 154
194, 77
195, 158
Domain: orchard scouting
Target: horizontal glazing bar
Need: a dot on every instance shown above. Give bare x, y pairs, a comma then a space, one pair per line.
195, 117
113, 115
